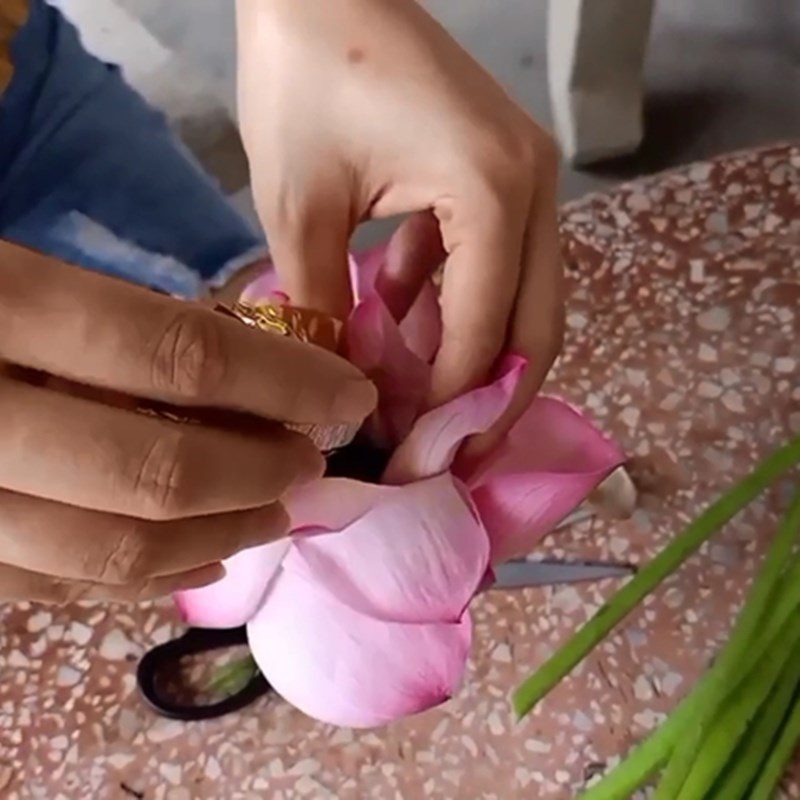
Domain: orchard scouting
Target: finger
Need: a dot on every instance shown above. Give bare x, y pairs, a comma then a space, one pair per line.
233, 288
483, 237
309, 242
74, 451
414, 253
19, 584
538, 322
538, 325
68, 542
106, 333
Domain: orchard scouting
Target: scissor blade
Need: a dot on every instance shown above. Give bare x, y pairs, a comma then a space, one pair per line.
522, 574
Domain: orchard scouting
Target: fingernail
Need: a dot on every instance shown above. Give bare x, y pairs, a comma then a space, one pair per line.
354, 401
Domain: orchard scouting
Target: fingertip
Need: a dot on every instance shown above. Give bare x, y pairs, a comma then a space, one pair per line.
281, 521
310, 252
355, 399
461, 365
202, 576
270, 523
321, 387
477, 450
310, 464
447, 377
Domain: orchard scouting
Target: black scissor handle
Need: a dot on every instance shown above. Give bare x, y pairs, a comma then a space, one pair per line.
193, 642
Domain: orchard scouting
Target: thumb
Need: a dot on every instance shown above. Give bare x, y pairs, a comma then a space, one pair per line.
309, 247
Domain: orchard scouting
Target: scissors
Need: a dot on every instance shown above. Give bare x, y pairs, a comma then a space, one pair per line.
519, 574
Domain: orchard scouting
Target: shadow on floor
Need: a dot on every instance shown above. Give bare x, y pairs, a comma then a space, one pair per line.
676, 123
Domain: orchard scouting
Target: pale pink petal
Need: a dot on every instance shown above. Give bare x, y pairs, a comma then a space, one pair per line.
421, 329
375, 346
364, 269
551, 436
422, 326
232, 601
417, 555
331, 504
549, 463
349, 669
432, 445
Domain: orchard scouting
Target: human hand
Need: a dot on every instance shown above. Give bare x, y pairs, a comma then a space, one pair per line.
98, 501
358, 109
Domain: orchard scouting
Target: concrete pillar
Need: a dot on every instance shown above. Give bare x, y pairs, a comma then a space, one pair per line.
596, 51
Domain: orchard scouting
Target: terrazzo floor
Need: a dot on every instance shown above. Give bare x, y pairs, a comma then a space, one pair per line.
684, 343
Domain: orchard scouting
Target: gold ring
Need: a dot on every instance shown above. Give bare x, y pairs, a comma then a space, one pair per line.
305, 326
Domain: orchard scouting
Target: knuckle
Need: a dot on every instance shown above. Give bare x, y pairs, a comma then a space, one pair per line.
502, 176
159, 479
59, 592
125, 559
490, 196
501, 186
520, 146
189, 358
514, 156
141, 589
67, 593
546, 154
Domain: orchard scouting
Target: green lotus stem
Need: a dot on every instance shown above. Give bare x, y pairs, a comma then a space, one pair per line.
729, 663
749, 758
652, 575
779, 758
650, 755
739, 711
230, 678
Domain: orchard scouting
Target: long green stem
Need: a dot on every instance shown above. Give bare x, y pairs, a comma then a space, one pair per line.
779, 757
728, 665
645, 760
749, 758
665, 563
649, 756
739, 711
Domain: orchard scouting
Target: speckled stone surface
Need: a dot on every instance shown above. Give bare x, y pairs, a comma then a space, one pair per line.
683, 342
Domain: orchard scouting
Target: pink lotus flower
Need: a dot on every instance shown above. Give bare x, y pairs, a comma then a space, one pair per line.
361, 616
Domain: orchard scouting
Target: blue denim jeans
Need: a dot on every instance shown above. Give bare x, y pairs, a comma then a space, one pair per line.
91, 174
